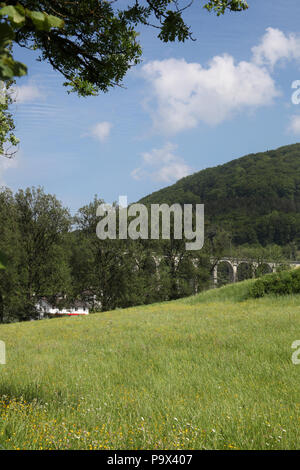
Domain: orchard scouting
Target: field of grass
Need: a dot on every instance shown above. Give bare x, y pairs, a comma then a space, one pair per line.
212, 371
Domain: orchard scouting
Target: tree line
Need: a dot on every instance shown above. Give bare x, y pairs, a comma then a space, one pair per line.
49, 253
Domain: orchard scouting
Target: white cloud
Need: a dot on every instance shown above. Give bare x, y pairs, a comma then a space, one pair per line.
184, 94
101, 130
27, 93
187, 93
172, 172
294, 125
276, 46
162, 165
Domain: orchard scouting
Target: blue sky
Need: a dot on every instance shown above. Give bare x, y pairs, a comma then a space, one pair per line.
185, 108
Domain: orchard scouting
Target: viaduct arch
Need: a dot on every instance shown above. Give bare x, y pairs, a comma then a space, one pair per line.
235, 263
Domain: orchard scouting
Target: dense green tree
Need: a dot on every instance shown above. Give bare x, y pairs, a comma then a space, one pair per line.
42, 222
154, 276
111, 268
10, 281
188, 271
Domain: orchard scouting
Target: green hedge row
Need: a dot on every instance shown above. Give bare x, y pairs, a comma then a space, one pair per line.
282, 283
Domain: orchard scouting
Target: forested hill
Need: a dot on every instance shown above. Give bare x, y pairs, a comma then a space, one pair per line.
256, 197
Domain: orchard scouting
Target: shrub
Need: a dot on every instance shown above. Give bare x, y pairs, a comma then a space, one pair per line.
281, 283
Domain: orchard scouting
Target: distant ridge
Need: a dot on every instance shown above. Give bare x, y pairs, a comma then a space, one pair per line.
255, 197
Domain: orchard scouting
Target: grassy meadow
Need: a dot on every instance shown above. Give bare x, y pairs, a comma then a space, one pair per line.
213, 371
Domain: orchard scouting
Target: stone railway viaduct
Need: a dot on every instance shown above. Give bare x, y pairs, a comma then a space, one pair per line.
235, 263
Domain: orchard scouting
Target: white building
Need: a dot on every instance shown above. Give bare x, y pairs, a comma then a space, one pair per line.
45, 308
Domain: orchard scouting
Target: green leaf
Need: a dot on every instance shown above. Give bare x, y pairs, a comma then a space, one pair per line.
54, 22
44, 22
19, 69
6, 72
38, 18
14, 14
9, 68
20, 9
6, 35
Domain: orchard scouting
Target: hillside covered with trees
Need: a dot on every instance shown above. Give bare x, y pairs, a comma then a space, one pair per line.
256, 198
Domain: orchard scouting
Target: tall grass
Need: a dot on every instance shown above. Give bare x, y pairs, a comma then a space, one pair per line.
210, 372
233, 292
